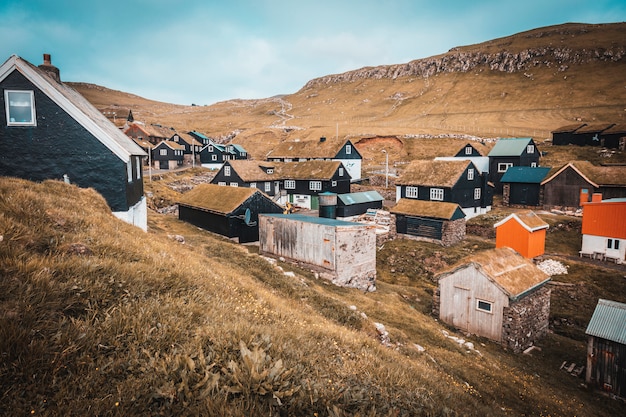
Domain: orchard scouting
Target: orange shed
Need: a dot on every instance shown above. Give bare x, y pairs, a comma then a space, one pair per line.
604, 229
524, 232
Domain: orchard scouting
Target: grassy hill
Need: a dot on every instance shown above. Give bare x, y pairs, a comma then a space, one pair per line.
526, 84
97, 318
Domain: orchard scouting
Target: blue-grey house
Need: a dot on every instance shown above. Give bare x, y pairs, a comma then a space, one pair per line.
522, 186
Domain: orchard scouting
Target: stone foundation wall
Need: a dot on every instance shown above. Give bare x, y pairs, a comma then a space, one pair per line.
453, 232
526, 320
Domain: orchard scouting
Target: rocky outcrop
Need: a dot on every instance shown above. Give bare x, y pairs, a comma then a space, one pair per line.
508, 61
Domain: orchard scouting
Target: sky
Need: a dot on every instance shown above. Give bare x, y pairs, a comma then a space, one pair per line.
206, 51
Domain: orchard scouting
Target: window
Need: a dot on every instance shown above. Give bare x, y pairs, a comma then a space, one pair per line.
227, 171
533, 164
436, 194
234, 184
270, 170
20, 108
348, 149
129, 170
530, 149
268, 187
163, 152
138, 161
470, 174
315, 185
485, 306
503, 166
612, 244
476, 193
468, 150
341, 172
411, 192
333, 183
210, 148
290, 184
213, 157
221, 183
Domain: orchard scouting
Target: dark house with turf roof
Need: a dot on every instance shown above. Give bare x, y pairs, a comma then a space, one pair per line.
232, 212
323, 149
354, 204
590, 135
452, 181
573, 184
564, 135
50, 131
509, 152
521, 186
168, 155
433, 221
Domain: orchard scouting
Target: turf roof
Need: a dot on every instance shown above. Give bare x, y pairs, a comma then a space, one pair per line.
437, 173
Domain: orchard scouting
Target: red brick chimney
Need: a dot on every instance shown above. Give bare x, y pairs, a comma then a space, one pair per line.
50, 69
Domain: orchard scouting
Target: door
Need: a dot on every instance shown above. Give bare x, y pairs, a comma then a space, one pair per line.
461, 302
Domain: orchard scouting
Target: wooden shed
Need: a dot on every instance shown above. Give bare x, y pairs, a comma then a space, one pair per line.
606, 348
604, 230
353, 204
342, 252
229, 211
433, 221
521, 186
523, 231
497, 294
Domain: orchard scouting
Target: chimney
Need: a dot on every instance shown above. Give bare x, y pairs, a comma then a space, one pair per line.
323, 139
596, 197
50, 69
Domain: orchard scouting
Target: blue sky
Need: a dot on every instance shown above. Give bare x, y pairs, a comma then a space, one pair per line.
205, 51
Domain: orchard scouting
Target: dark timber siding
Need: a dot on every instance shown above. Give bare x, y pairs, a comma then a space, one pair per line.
59, 145
608, 366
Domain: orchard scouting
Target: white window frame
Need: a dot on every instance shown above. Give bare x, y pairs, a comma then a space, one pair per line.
477, 193
468, 150
411, 192
612, 244
348, 149
253, 185
210, 148
270, 170
436, 194
481, 305
7, 104
222, 183
163, 152
470, 174
129, 170
268, 186
138, 161
234, 184
315, 185
213, 157
290, 184
533, 164
530, 149
227, 171
333, 183
503, 166
341, 171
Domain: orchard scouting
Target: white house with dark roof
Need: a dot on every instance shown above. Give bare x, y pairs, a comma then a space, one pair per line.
50, 131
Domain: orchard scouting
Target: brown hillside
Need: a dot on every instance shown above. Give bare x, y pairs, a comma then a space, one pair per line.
526, 84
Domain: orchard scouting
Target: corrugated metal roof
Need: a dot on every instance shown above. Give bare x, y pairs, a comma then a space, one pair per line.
316, 220
510, 146
360, 197
608, 321
529, 175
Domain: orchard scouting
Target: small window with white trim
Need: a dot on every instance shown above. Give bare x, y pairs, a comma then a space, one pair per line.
436, 194
234, 184
315, 185
341, 172
162, 152
20, 108
470, 174
348, 149
333, 183
290, 184
468, 150
411, 192
253, 185
530, 149
221, 183
503, 166
213, 157
485, 306
477, 193
138, 161
268, 187
227, 171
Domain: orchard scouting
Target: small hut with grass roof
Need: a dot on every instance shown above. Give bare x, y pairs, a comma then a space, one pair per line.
433, 221
229, 211
497, 294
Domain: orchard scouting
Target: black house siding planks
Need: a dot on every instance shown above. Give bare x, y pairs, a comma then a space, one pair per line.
59, 145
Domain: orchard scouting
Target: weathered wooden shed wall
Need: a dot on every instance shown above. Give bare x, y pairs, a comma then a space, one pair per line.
342, 252
459, 293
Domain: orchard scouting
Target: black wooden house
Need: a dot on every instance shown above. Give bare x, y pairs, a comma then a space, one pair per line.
354, 204
50, 131
435, 221
453, 181
508, 152
168, 155
522, 186
232, 212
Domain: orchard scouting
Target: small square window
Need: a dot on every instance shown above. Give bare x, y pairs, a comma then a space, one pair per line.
290, 184
334, 183
530, 149
20, 108
411, 192
315, 185
436, 194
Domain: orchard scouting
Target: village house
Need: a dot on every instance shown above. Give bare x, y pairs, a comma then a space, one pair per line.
573, 184
153, 133
214, 155
432, 221
168, 155
524, 231
354, 204
339, 251
234, 214
324, 149
298, 183
509, 152
497, 294
521, 186
475, 152
52, 132
119, 116
191, 153
201, 137
608, 135
606, 348
604, 229
452, 181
